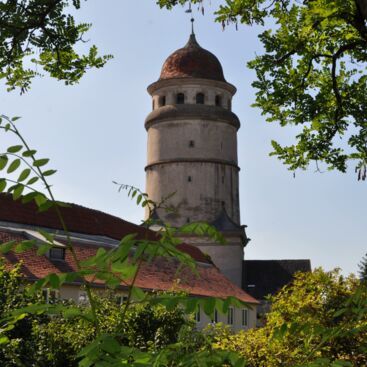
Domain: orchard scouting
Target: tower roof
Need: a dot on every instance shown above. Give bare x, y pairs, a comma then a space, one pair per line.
192, 61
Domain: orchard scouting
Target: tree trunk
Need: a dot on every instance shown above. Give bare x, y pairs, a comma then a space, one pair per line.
362, 6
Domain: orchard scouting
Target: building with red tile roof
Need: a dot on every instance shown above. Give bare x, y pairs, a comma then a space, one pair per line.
91, 229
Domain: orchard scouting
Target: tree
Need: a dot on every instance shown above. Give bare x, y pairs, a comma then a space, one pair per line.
317, 321
363, 269
312, 75
42, 32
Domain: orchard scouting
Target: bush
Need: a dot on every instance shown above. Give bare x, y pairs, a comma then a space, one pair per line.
320, 317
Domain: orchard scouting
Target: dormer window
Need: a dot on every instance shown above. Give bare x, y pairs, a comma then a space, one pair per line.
162, 101
199, 98
218, 100
57, 253
180, 98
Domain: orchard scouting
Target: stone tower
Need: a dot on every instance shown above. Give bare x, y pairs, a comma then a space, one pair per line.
192, 152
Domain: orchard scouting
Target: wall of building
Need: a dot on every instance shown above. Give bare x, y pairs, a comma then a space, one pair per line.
73, 292
228, 257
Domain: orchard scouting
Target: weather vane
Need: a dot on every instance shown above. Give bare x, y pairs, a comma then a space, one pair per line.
189, 10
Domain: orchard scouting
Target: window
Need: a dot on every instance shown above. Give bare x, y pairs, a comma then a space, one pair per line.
244, 320
230, 318
200, 98
191, 144
153, 104
189, 178
57, 253
50, 295
162, 101
215, 318
180, 98
197, 314
218, 100
83, 298
187, 220
120, 299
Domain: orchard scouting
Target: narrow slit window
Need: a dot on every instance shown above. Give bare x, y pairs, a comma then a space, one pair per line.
230, 319
162, 101
200, 98
191, 143
189, 178
244, 317
215, 316
180, 98
198, 314
218, 100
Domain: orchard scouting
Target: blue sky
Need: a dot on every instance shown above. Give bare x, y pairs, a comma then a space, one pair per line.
94, 133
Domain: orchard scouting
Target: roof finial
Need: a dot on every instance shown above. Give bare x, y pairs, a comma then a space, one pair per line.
192, 26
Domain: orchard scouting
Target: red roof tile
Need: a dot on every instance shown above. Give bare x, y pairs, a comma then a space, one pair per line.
80, 220
159, 274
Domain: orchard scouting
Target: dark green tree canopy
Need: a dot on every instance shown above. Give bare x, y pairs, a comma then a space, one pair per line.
312, 75
44, 33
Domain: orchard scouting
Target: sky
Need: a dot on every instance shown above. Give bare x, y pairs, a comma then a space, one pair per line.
94, 134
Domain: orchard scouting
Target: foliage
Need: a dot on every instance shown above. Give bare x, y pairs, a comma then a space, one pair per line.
16, 341
312, 75
144, 327
44, 33
319, 320
363, 269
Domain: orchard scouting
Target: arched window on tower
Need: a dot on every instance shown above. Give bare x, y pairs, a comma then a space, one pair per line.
180, 98
229, 104
218, 100
162, 101
199, 98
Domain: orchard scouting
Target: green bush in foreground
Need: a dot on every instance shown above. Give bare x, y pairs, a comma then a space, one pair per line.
320, 318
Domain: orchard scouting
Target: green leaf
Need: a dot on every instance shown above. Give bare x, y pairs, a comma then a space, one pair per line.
2, 185
14, 165
4, 340
24, 175
54, 281
18, 192
14, 148
32, 181
43, 249
49, 172
29, 153
137, 294
25, 245
29, 197
40, 162
7, 246
3, 161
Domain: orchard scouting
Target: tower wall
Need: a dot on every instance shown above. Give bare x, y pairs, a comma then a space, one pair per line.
192, 152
